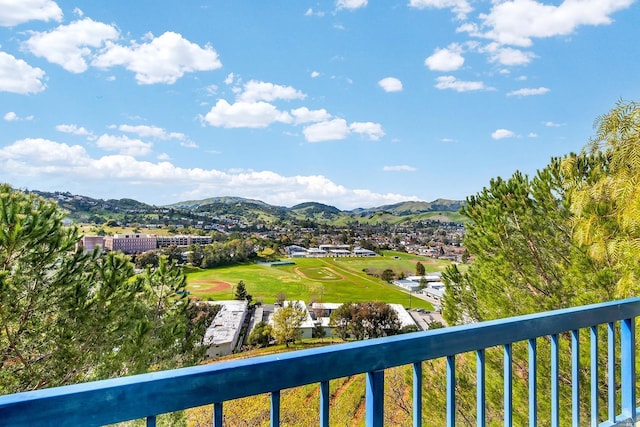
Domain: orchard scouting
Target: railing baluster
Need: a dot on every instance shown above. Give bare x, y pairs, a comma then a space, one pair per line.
417, 394
119, 400
555, 391
451, 391
375, 399
325, 399
575, 377
508, 386
217, 414
611, 370
628, 368
533, 383
480, 389
594, 377
275, 408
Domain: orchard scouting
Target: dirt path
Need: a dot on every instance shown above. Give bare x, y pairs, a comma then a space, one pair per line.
215, 285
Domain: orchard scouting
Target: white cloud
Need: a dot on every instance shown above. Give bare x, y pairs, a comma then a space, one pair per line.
264, 91
399, 168
245, 115
506, 55
40, 156
124, 145
229, 79
16, 76
55, 161
461, 7
70, 45
450, 82
14, 12
516, 22
331, 130
390, 84
188, 144
73, 129
304, 115
337, 129
502, 134
163, 59
529, 91
532, 135
315, 74
351, 4
552, 124
447, 59
11, 116
311, 12
145, 131
371, 130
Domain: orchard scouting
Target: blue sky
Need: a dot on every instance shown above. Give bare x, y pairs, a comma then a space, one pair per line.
352, 103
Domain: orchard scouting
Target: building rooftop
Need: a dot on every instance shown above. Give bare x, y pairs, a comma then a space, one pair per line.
227, 322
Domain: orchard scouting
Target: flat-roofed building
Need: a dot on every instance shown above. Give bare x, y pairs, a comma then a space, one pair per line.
131, 243
222, 335
363, 252
182, 240
89, 243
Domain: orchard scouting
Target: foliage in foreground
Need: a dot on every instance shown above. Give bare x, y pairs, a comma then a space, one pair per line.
69, 317
566, 237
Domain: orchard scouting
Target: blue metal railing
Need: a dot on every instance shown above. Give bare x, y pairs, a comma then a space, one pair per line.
148, 395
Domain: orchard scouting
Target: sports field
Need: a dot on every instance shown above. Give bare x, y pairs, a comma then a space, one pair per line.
319, 279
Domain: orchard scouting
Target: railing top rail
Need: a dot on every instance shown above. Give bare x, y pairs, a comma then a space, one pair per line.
120, 399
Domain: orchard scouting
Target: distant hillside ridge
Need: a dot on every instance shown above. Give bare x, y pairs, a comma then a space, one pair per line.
85, 208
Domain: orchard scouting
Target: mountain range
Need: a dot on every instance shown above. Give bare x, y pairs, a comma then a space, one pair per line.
251, 210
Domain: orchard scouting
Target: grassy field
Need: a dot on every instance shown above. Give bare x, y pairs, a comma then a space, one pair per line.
320, 279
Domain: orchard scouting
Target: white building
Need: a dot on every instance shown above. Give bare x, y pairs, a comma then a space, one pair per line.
407, 284
222, 335
363, 252
435, 290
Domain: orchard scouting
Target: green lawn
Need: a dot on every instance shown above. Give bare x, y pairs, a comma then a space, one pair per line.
320, 279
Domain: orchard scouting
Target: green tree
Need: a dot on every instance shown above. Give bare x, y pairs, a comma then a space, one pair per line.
287, 322
525, 258
435, 325
241, 291
388, 275
261, 334
365, 320
420, 271
319, 332
173, 254
280, 298
69, 317
195, 255
145, 259
38, 271
606, 205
